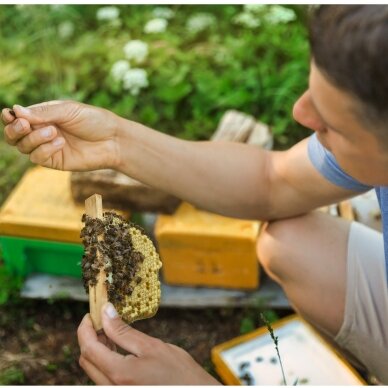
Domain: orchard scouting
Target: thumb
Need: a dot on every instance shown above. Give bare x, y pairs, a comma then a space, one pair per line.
44, 113
129, 339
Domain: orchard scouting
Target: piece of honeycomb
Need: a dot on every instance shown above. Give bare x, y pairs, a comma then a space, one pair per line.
130, 262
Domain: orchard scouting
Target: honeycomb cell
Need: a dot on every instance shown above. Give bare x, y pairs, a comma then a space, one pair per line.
130, 256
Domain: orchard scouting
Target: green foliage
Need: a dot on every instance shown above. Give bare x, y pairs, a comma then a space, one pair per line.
194, 73
11, 376
251, 318
9, 285
51, 367
193, 77
12, 167
247, 325
270, 316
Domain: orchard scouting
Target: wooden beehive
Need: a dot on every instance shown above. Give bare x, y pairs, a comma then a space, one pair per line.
40, 225
204, 249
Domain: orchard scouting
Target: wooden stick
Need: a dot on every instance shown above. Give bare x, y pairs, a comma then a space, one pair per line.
98, 295
346, 210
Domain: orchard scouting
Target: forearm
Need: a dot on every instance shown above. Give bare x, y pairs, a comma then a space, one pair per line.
222, 177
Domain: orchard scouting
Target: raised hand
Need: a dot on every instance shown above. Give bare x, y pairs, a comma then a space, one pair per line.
64, 135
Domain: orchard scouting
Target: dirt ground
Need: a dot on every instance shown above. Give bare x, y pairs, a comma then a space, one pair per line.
39, 347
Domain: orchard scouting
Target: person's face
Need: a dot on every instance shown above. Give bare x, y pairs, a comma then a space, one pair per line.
329, 112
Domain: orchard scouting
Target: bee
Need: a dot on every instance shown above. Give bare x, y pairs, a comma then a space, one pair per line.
247, 378
244, 365
86, 265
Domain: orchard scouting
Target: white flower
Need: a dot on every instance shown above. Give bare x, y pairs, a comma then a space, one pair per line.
66, 29
119, 69
134, 80
156, 26
254, 8
200, 22
247, 20
163, 12
278, 14
136, 50
108, 13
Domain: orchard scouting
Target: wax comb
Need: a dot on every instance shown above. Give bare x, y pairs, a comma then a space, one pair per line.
121, 265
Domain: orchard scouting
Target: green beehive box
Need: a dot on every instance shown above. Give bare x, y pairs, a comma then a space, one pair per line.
40, 225
25, 256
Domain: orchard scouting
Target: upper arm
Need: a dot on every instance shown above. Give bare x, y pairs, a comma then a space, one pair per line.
297, 186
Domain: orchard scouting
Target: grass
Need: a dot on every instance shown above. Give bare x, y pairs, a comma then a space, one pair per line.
276, 343
11, 376
9, 285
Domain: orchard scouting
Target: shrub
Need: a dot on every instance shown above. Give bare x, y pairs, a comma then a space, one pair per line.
178, 77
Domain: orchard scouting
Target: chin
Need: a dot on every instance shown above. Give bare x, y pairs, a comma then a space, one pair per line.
323, 142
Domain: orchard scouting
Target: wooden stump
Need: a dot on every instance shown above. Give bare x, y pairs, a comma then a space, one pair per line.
121, 192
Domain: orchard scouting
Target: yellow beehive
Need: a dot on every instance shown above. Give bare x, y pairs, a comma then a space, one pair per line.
204, 249
41, 207
40, 225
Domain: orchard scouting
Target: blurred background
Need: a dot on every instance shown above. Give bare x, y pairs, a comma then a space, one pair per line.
174, 68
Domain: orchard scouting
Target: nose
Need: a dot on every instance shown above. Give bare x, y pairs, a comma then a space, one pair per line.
305, 113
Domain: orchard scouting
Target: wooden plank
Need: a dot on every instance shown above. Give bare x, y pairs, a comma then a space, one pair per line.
234, 126
367, 210
261, 136
268, 295
346, 210
98, 294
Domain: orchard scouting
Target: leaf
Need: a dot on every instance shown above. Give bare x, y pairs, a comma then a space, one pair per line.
247, 325
149, 115
173, 93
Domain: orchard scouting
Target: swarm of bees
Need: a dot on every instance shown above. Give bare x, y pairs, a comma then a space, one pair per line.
130, 262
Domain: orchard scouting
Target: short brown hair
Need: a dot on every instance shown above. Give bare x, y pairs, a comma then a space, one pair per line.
349, 44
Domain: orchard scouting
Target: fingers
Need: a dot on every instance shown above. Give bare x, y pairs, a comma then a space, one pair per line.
46, 112
7, 116
97, 376
36, 138
45, 151
129, 339
15, 130
106, 341
52, 102
95, 352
